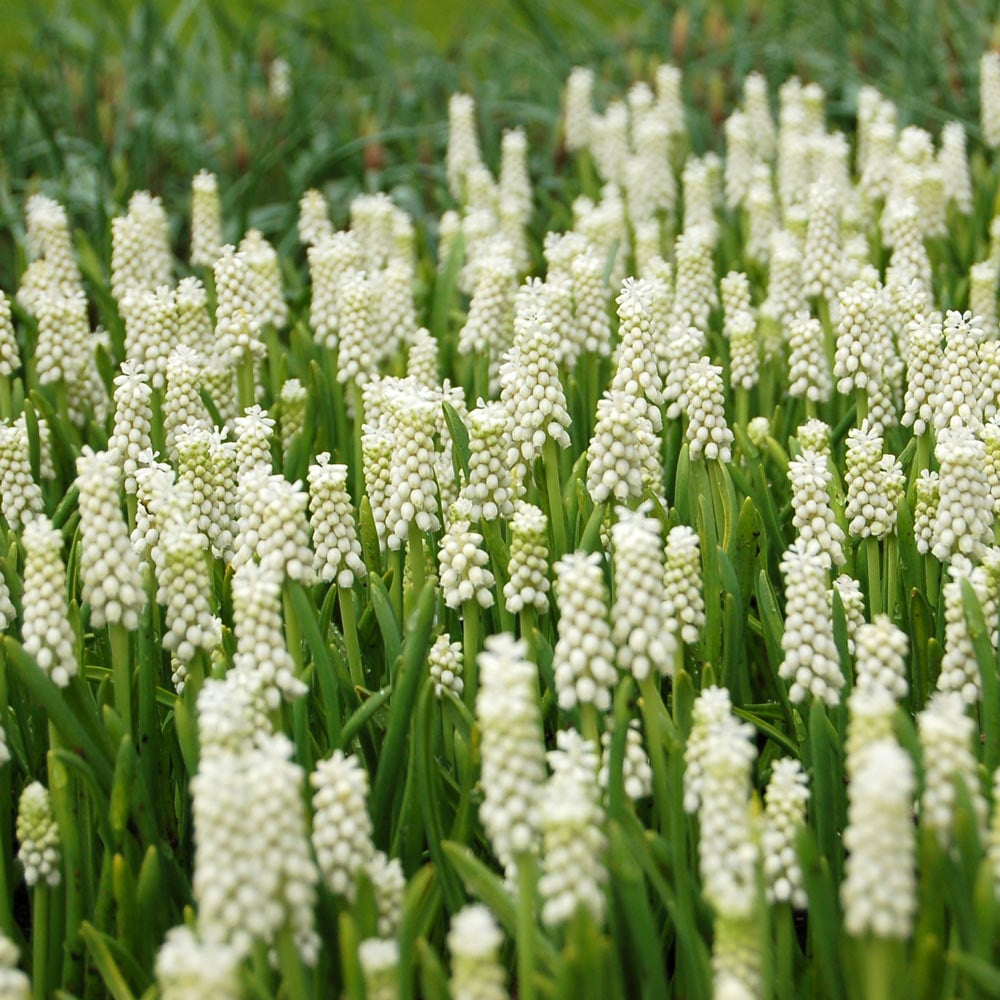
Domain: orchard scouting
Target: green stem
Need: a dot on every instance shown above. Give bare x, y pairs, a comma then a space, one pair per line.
861, 402
396, 562
742, 406
880, 967
39, 940
6, 412
66, 807
590, 724
345, 595
491, 536
874, 577
470, 652
784, 953
651, 704
293, 631
829, 337
418, 568
358, 406
6, 839
295, 978
121, 670
526, 927
933, 570
246, 382
891, 574
557, 516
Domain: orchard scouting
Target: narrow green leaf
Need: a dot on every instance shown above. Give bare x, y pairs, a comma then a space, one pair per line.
459, 435
46, 694
987, 660
388, 625
407, 683
984, 974
101, 949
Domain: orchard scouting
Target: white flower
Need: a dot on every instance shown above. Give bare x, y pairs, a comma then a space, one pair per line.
811, 663
584, 656
577, 104
637, 772
412, 496
379, 958
489, 491
206, 467
206, 219
261, 648
947, 734
333, 258
133, 419
111, 577
821, 255
573, 869
989, 97
813, 516
695, 293
623, 457
924, 360
463, 561
184, 584
40, 852
784, 817
273, 527
253, 874
314, 218
189, 969
474, 940
141, 258
682, 582
880, 657
528, 563
20, 495
531, 390
342, 829
513, 750
964, 521
444, 663
959, 666
879, 888
182, 403
707, 433
956, 401
14, 984
718, 759
338, 551
875, 484
462, 154
9, 355
46, 630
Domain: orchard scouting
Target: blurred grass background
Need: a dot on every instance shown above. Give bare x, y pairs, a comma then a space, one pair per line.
102, 97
